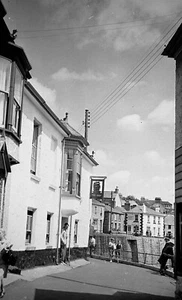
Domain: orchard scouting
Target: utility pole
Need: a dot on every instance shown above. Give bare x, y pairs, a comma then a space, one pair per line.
87, 123
111, 212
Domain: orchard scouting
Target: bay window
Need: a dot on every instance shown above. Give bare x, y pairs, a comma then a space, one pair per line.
72, 171
11, 90
5, 72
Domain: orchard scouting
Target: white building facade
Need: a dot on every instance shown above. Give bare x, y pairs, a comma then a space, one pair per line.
45, 168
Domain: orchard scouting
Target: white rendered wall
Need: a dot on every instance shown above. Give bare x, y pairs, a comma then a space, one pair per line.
40, 192
85, 207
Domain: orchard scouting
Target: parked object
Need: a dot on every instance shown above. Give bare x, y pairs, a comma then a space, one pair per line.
14, 270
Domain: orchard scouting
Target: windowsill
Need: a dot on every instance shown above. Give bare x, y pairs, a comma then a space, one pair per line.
34, 177
52, 187
67, 194
30, 248
11, 133
48, 247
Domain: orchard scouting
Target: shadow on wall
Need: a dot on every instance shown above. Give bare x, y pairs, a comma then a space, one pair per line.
54, 295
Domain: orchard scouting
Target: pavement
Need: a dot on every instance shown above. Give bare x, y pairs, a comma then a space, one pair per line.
37, 272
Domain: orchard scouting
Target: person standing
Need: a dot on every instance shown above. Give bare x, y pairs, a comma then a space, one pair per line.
64, 238
112, 248
4, 245
118, 250
167, 253
91, 245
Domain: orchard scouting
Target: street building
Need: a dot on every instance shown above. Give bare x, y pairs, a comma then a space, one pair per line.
142, 220
45, 168
114, 219
174, 50
97, 219
169, 229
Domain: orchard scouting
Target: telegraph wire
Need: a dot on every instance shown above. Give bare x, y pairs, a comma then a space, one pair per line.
131, 72
93, 26
98, 110
77, 32
134, 84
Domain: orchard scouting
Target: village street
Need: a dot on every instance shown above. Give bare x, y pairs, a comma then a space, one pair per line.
95, 280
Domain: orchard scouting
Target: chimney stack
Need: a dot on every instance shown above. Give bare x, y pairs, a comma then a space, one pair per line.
116, 190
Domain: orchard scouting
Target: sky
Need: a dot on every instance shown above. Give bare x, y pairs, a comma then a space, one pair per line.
84, 55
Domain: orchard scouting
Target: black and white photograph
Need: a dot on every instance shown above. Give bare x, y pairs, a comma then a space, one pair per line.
91, 149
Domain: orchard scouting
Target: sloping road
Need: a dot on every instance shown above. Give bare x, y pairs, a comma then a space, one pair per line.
99, 280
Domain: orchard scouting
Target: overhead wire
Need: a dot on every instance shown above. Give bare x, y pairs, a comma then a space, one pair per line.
106, 104
88, 27
94, 26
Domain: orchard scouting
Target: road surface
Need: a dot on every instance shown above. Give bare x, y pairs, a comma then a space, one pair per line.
100, 280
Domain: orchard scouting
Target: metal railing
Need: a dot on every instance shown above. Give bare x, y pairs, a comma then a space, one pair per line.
149, 259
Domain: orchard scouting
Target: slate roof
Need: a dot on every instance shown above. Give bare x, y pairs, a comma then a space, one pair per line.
140, 209
96, 202
116, 210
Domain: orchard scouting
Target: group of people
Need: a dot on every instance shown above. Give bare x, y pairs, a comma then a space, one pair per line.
115, 249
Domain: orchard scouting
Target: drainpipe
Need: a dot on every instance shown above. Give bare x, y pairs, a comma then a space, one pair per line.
60, 195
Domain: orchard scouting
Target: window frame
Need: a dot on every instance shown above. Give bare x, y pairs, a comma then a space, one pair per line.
136, 218
48, 228
12, 104
72, 173
29, 220
35, 147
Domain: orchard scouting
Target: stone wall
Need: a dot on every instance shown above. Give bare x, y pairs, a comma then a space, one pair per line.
32, 258
134, 248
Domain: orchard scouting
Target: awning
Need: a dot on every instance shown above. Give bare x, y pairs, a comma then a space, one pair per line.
4, 160
68, 212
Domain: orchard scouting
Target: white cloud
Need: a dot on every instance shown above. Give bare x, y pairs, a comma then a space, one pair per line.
64, 75
103, 158
154, 157
46, 93
119, 179
136, 36
163, 114
85, 42
131, 122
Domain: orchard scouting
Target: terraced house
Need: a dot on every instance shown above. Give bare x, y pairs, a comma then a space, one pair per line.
142, 220
45, 168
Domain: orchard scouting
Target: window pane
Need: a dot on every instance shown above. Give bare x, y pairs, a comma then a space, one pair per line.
78, 184
3, 109
5, 70
16, 116
29, 226
34, 148
18, 86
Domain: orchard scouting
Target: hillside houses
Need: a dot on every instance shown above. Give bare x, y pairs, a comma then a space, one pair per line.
114, 219
135, 217
142, 220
